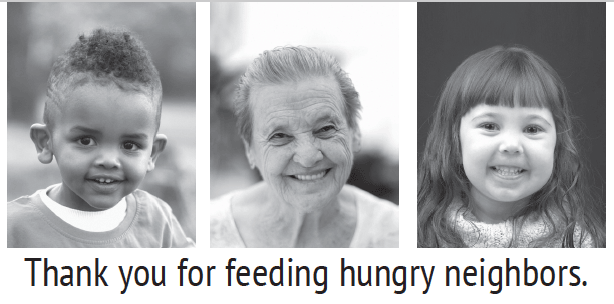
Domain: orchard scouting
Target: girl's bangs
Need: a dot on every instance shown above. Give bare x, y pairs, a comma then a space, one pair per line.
513, 82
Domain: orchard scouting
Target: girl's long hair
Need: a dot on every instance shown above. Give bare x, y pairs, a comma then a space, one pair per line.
512, 77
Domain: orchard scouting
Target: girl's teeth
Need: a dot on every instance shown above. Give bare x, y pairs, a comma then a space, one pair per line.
506, 171
311, 177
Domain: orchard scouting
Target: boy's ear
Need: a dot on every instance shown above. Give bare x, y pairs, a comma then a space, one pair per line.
248, 154
356, 140
41, 137
159, 144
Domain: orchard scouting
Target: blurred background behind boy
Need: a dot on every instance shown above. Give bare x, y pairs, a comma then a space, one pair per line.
38, 33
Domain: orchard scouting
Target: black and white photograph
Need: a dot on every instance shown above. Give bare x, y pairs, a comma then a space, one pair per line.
511, 125
101, 136
304, 125
391, 129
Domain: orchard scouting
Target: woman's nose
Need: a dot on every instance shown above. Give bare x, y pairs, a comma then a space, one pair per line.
511, 144
307, 154
108, 159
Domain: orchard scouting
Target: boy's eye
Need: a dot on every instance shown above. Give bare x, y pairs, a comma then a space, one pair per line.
130, 146
489, 126
533, 130
86, 141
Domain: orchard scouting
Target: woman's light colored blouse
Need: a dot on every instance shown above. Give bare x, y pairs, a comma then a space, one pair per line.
377, 225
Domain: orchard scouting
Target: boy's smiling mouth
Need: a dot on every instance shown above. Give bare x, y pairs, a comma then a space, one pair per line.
105, 185
105, 180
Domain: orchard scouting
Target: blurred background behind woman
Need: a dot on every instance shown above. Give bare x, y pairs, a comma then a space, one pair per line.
367, 51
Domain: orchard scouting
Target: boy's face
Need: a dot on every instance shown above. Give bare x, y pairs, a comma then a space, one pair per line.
102, 141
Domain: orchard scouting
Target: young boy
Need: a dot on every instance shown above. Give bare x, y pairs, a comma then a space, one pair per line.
101, 122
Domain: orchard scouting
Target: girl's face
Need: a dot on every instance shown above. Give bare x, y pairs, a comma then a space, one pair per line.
508, 153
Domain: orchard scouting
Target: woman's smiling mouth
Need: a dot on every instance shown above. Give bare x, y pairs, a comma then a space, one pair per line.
310, 177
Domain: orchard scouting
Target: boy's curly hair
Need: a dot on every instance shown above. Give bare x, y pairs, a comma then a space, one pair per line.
104, 57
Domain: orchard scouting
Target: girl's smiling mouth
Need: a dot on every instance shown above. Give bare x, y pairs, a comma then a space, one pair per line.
508, 172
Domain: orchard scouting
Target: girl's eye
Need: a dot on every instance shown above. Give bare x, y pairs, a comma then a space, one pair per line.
86, 141
130, 146
533, 130
489, 126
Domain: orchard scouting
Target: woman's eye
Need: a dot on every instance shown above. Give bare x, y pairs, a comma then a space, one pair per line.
326, 129
533, 129
489, 126
130, 146
279, 136
86, 141
280, 139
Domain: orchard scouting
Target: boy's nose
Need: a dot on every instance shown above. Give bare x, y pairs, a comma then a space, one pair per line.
307, 154
511, 144
108, 159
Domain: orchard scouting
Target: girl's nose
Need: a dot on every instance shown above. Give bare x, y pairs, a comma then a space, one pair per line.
108, 159
307, 154
511, 144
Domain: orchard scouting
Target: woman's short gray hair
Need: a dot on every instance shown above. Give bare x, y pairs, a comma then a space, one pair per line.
292, 64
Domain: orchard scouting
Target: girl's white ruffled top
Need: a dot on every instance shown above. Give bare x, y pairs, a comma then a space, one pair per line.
478, 234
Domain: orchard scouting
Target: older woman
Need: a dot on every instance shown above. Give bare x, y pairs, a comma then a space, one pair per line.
297, 113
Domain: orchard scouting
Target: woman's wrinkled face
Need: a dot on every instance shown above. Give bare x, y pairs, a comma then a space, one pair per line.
508, 153
302, 143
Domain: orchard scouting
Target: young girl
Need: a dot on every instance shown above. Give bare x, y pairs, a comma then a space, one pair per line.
501, 167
